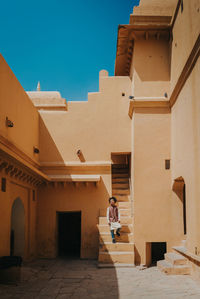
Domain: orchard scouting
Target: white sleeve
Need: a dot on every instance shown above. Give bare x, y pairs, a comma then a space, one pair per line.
108, 215
118, 214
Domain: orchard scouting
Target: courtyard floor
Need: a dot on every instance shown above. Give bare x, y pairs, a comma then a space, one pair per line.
64, 278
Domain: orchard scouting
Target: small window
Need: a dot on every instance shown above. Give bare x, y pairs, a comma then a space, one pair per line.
167, 164
3, 185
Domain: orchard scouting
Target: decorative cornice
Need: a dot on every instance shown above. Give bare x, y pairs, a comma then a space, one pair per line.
18, 172
141, 29
8, 149
150, 20
12, 147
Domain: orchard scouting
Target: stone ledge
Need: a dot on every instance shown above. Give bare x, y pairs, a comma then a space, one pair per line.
75, 178
185, 252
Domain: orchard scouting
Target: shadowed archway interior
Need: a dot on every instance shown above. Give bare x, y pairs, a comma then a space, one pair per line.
17, 241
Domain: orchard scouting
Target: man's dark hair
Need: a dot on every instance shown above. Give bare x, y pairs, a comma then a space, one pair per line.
114, 198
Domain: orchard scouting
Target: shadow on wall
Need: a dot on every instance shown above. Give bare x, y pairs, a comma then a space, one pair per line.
48, 149
70, 197
178, 187
152, 63
137, 256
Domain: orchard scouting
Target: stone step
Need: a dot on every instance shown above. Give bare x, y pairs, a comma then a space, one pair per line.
126, 228
120, 175
120, 165
124, 197
120, 170
175, 258
125, 212
115, 265
126, 257
124, 205
124, 237
120, 180
124, 220
120, 192
120, 185
109, 246
170, 269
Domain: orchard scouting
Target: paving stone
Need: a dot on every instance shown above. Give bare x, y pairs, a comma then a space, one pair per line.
82, 279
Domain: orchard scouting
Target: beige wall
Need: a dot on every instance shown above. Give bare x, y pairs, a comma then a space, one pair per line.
150, 69
101, 126
186, 152
97, 127
155, 7
16, 105
158, 211
185, 33
88, 199
153, 208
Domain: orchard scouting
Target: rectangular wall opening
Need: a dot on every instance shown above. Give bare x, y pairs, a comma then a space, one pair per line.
69, 234
158, 250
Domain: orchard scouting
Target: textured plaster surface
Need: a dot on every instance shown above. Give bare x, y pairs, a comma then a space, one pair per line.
82, 279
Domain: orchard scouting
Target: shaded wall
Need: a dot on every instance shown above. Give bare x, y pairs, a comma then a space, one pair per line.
18, 227
16, 105
14, 190
88, 199
150, 69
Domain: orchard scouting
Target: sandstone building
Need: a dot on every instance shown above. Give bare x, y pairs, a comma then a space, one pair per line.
138, 139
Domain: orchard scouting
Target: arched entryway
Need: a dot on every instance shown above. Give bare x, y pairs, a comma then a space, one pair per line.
17, 238
179, 188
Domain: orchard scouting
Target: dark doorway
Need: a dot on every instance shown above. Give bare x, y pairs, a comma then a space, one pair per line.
17, 233
158, 249
184, 210
69, 234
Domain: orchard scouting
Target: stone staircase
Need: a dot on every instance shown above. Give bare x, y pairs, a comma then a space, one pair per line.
120, 253
174, 264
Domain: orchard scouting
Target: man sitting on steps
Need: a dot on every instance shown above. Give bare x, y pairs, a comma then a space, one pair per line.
113, 218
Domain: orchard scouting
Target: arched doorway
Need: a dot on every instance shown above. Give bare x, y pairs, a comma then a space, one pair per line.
179, 188
17, 237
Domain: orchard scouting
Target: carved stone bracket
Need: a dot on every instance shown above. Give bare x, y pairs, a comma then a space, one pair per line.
16, 171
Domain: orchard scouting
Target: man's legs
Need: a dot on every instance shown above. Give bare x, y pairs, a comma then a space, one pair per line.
112, 235
118, 232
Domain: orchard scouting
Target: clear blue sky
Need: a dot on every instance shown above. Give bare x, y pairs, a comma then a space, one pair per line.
62, 43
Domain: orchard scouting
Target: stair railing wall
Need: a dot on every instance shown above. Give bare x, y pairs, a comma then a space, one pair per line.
131, 196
